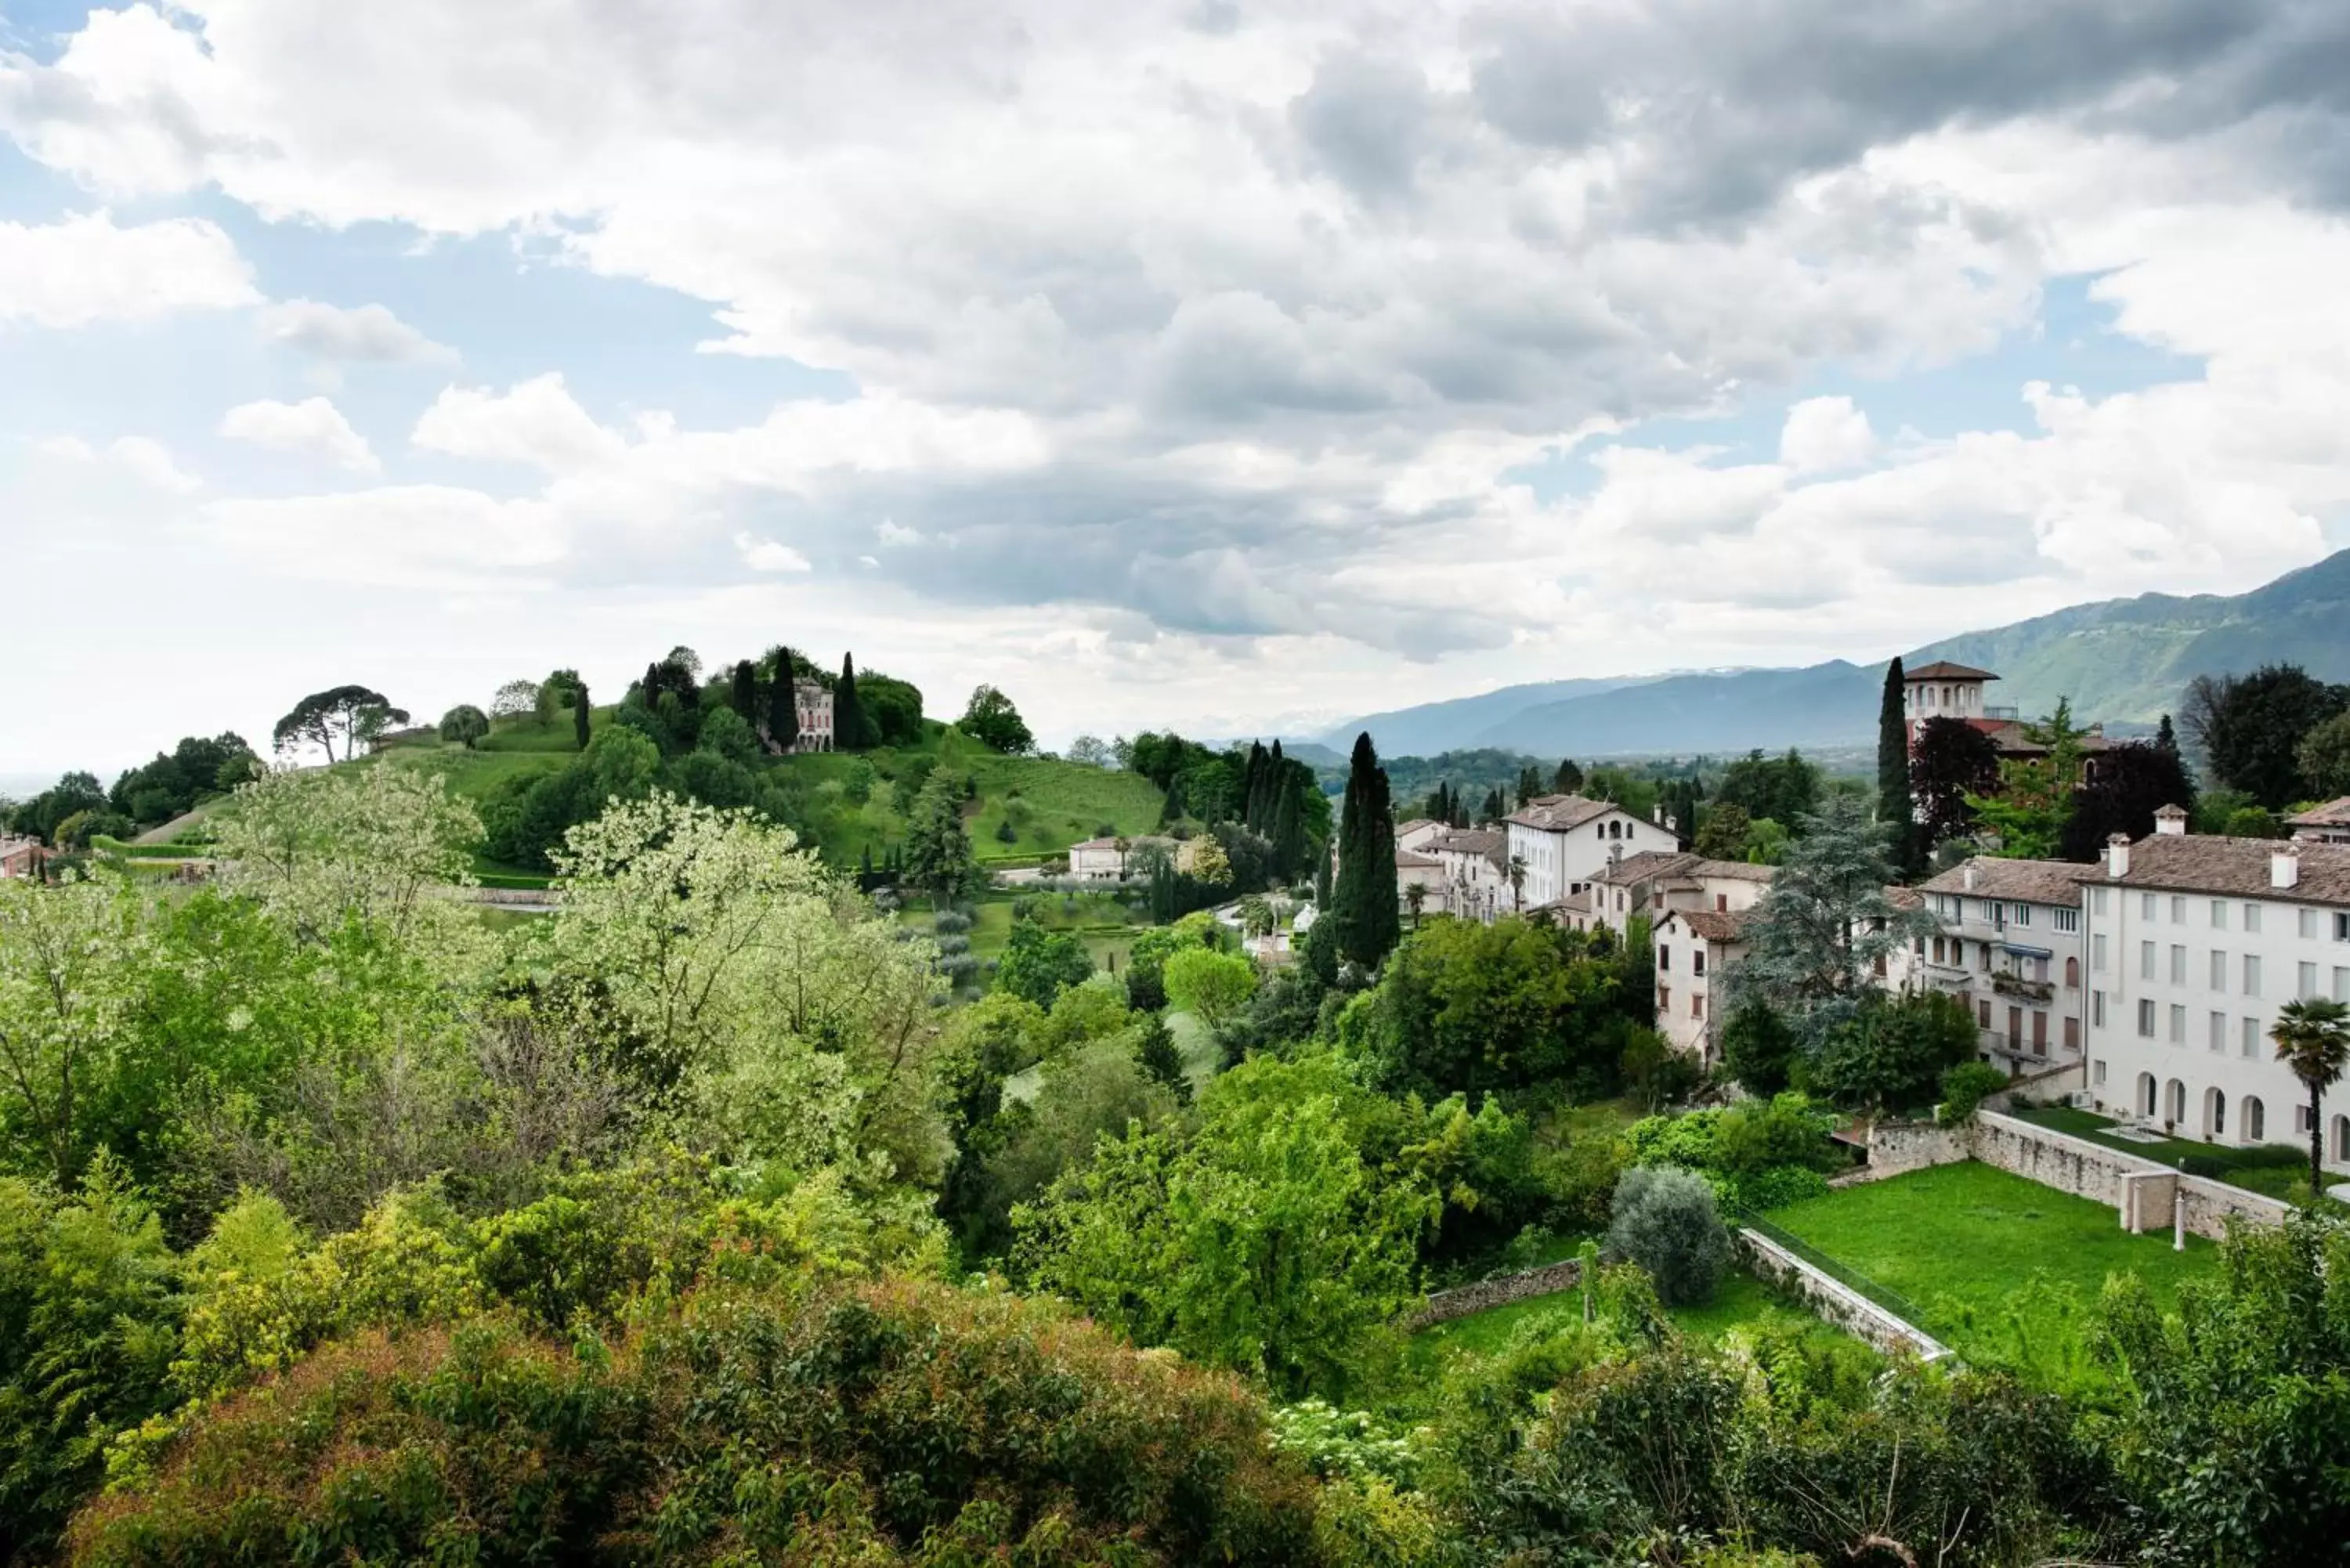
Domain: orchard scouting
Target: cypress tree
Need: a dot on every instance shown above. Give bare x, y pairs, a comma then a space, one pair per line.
1364, 900
847, 713
1895, 809
581, 714
746, 694
1495, 808
782, 704
1288, 847
1256, 793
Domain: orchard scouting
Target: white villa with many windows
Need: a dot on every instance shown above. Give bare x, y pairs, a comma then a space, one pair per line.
2009, 948
1564, 841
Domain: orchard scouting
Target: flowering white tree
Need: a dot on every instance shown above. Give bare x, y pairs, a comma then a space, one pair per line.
367, 845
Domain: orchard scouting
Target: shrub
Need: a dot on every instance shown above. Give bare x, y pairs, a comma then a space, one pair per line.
1665, 1220
1965, 1088
1778, 1186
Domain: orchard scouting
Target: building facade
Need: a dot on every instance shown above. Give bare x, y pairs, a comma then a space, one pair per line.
1564, 841
814, 701
1653, 882
1695, 949
2009, 948
1476, 874
2193, 944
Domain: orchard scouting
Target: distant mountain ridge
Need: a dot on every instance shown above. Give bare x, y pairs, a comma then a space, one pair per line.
2120, 660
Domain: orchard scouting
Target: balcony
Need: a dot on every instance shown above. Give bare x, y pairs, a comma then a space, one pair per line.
2025, 989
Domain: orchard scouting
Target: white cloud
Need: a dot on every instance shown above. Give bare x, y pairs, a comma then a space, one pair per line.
311, 428
895, 536
86, 269
418, 536
368, 333
537, 423
1825, 433
768, 555
145, 459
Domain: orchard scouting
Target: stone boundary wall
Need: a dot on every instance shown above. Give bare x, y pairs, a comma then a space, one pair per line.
1838, 1302
2092, 1170
1462, 1301
1898, 1148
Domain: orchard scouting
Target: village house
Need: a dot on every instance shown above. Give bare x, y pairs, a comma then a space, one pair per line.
2327, 824
21, 856
1946, 690
1654, 881
1696, 947
1564, 841
1474, 864
1113, 859
2193, 944
814, 701
2010, 949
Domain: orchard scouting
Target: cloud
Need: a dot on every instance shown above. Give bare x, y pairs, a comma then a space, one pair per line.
147, 460
535, 424
1824, 433
766, 555
369, 333
418, 536
311, 428
86, 269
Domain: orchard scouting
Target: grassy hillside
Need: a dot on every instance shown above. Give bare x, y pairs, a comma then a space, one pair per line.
852, 803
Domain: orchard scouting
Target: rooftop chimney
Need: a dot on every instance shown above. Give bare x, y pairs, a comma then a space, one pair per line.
2170, 821
2117, 857
2284, 867
1967, 876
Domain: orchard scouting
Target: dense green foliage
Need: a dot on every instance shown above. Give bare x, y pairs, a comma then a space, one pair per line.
2251, 728
1664, 1219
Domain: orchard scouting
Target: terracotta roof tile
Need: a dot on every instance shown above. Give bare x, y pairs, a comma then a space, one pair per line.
1943, 669
1559, 813
2194, 863
2033, 881
2333, 814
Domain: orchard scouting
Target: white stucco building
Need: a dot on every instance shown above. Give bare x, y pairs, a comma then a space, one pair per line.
2193, 944
1565, 840
1654, 882
2327, 824
1695, 947
1475, 871
2009, 948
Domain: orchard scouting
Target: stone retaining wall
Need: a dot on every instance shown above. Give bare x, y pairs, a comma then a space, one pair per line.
1838, 1302
1897, 1148
2092, 1170
1443, 1306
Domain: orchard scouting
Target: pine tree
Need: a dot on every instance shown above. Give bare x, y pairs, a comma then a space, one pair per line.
1896, 810
580, 713
1160, 1059
847, 713
1364, 900
783, 704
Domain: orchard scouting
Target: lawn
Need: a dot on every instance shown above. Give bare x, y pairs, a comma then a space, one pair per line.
2273, 1169
2000, 1269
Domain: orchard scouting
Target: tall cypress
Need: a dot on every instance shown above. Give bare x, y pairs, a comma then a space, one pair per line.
782, 704
1364, 900
1253, 791
847, 714
579, 713
1895, 809
745, 693
1288, 835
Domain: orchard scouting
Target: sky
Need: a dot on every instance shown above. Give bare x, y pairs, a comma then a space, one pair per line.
1225, 366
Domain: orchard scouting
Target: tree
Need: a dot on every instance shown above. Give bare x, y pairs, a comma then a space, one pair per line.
782, 703
1160, 1059
2324, 758
1953, 761
990, 719
1494, 807
2130, 783
1038, 965
465, 724
1092, 752
1530, 786
1758, 1049
742, 694
1784, 789
1214, 985
849, 725
1415, 897
1826, 920
327, 850
1210, 863
2251, 727
1890, 1055
1895, 806
515, 699
351, 713
1364, 900
939, 858
2312, 1035
582, 715
1724, 834
2037, 795
1568, 780
1664, 1219
66, 956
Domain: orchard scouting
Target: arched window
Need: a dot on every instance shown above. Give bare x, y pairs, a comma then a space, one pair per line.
2256, 1119
2072, 974
2215, 1114
2145, 1093
2175, 1096
2342, 1140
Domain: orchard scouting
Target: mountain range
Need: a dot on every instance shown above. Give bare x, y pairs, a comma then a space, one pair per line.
2123, 662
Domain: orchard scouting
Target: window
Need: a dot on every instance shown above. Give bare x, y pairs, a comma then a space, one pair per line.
2256, 1119
1697, 962
2072, 974
2219, 914
2096, 1010
2219, 1032
2178, 1024
2175, 1096
1697, 1004
2097, 1074
2096, 900
2253, 918
2177, 964
2178, 910
1664, 958
2145, 1019
2145, 1093
2023, 914
2251, 1045
1664, 1001
2097, 950
2305, 983
1994, 913
2067, 920
2218, 970
2071, 1034
1937, 949
2301, 1121
2146, 961
2341, 984
2145, 906
2252, 974
1982, 1015
2342, 927
2308, 934
1982, 957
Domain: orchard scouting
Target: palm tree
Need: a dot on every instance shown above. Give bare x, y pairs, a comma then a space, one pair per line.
1415, 895
2312, 1038
1517, 883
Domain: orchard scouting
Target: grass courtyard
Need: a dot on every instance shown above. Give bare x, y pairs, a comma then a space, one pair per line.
2001, 1269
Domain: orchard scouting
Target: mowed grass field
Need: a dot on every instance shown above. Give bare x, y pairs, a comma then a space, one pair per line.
1999, 1268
